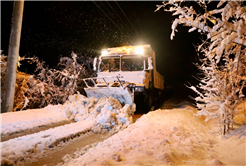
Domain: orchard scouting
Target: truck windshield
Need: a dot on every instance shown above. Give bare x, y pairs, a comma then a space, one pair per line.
132, 63
110, 64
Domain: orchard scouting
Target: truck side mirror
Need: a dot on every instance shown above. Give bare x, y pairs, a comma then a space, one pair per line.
150, 66
94, 64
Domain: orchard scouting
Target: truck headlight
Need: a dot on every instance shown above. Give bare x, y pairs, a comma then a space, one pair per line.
104, 52
139, 50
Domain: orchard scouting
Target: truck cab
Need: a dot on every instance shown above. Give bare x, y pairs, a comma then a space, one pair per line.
131, 64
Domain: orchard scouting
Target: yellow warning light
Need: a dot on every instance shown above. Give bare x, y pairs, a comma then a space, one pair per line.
126, 50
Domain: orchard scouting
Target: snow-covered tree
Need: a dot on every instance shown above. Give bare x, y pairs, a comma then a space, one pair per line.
54, 86
223, 54
49, 85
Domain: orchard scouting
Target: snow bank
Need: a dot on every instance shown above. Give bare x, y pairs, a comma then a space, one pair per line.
91, 114
106, 113
164, 137
23, 120
19, 148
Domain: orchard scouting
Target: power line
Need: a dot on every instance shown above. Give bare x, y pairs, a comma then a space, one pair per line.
113, 17
127, 18
105, 14
115, 12
122, 23
117, 22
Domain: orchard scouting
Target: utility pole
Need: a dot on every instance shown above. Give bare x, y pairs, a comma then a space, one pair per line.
12, 60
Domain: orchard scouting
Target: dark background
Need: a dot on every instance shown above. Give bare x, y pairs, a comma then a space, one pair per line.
51, 30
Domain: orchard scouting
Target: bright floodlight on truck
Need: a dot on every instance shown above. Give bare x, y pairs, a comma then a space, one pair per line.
139, 51
104, 52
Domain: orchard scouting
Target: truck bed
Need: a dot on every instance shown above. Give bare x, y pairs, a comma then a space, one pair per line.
158, 80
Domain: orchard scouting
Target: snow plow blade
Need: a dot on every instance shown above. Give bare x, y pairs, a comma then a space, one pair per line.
124, 95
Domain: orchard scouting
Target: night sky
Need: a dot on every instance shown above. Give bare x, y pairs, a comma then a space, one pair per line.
51, 30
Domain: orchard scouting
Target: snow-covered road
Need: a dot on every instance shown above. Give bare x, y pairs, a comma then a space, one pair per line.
160, 137
13, 122
57, 154
17, 148
90, 114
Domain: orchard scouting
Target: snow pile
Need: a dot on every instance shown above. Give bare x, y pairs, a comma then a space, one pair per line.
164, 137
23, 120
106, 113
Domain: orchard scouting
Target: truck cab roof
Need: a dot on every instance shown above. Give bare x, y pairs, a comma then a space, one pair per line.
144, 50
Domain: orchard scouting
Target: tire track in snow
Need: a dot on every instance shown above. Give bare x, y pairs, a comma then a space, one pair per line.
19, 148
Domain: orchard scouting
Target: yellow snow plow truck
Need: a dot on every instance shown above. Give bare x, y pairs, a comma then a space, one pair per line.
128, 74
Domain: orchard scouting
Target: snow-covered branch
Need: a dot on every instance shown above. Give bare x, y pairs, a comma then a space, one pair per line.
50, 86
224, 65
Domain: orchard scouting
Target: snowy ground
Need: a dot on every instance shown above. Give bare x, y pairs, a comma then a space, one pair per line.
91, 114
164, 136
